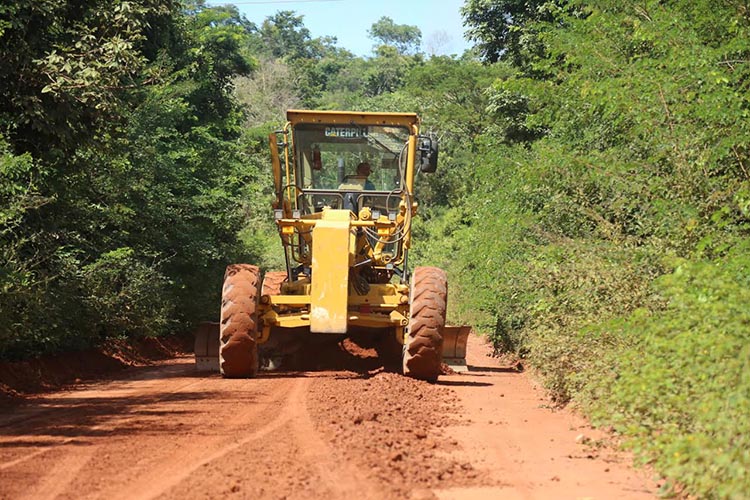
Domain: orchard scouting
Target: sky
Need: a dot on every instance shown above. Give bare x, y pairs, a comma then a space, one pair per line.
348, 20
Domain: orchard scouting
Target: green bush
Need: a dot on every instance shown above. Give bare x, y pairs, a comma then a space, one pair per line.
577, 285
676, 382
127, 297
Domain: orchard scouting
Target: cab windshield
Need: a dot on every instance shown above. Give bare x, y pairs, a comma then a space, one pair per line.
350, 157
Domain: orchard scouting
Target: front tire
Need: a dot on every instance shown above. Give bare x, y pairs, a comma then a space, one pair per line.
423, 345
238, 351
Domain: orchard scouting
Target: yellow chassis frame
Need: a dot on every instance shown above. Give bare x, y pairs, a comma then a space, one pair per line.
388, 306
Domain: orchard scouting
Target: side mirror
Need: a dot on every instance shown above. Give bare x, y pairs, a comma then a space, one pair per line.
428, 154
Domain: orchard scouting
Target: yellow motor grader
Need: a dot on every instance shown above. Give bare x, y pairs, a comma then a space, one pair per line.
344, 184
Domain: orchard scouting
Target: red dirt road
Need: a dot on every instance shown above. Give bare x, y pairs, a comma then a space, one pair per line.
169, 432
527, 448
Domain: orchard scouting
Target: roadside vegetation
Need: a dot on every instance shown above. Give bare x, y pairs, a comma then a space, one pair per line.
605, 237
123, 175
592, 204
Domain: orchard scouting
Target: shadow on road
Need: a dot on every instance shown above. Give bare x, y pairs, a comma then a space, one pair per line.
496, 369
463, 383
73, 415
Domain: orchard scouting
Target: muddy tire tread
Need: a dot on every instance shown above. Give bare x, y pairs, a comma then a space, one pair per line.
238, 326
423, 345
272, 282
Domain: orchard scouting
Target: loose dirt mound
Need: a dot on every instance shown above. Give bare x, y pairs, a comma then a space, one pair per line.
55, 371
392, 427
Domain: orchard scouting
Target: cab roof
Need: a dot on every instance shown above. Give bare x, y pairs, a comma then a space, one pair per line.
295, 116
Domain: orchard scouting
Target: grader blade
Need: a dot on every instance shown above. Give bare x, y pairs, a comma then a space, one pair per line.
454, 347
207, 347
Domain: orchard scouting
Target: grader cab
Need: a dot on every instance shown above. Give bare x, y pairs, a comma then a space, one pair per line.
344, 184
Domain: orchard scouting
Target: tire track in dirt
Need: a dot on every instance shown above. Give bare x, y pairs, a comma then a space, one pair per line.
34, 454
148, 380
123, 439
229, 414
64, 431
343, 479
66, 408
185, 464
57, 480
293, 461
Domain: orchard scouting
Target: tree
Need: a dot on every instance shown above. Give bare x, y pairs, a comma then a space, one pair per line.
268, 92
285, 35
502, 28
405, 38
437, 42
66, 68
221, 34
386, 72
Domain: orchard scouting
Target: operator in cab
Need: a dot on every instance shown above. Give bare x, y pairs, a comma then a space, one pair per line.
364, 170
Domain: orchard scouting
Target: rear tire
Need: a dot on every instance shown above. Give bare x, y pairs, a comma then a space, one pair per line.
272, 282
238, 352
271, 353
423, 344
